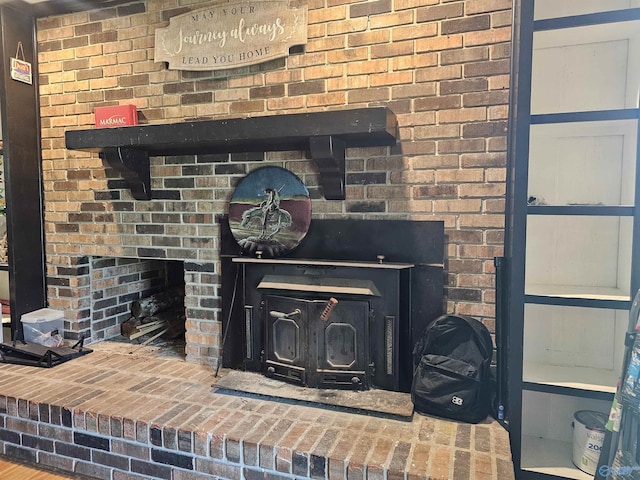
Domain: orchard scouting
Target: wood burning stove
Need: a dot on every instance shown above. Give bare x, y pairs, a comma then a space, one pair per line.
386, 276
327, 324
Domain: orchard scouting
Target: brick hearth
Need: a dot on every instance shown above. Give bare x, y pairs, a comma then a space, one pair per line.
120, 413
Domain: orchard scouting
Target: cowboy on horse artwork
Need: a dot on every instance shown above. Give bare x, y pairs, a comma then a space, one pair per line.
270, 211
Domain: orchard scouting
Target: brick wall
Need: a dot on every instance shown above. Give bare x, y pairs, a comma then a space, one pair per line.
442, 66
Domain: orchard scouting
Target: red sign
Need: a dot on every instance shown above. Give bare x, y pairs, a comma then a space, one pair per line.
118, 116
21, 71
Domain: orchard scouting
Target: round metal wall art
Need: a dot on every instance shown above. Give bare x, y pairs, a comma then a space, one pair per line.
269, 212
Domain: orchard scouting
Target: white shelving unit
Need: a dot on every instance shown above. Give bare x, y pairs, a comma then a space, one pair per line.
576, 184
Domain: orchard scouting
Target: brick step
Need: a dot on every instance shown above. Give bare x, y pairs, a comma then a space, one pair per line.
118, 416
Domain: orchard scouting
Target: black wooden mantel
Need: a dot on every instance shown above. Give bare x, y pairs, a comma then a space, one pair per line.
325, 135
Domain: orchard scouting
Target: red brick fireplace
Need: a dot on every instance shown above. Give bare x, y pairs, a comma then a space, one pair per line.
325, 135
441, 67
114, 232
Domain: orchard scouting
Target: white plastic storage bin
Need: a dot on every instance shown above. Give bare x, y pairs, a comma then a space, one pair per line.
43, 326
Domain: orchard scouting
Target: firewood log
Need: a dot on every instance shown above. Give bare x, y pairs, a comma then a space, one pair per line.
146, 329
153, 304
130, 326
174, 320
151, 339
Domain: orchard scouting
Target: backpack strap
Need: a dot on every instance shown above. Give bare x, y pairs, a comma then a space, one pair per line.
482, 332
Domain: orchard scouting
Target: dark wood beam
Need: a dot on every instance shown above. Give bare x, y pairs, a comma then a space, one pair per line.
57, 7
19, 110
325, 135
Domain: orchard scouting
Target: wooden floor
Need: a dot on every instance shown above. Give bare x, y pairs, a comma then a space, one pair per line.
13, 470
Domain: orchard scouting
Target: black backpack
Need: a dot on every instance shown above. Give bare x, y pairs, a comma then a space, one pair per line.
452, 375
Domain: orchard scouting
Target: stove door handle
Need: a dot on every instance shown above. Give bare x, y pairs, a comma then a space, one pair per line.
276, 314
326, 313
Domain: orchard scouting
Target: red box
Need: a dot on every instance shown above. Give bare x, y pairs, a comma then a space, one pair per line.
118, 116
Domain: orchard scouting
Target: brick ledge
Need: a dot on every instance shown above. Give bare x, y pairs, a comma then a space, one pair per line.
121, 416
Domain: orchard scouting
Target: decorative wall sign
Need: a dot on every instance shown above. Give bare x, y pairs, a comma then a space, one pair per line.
270, 211
231, 35
20, 68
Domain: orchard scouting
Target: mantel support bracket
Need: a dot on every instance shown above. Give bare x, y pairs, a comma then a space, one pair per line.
133, 165
329, 154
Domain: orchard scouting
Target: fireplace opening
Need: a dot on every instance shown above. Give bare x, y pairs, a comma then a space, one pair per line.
341, 311
117, 288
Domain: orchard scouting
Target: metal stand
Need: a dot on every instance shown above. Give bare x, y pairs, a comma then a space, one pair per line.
619, 455
35, 355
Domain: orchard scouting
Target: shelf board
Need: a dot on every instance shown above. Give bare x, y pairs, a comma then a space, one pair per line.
586, 19
550, 457
327, 263
591, 116
579, 378
577, 291
586, 210
324, 134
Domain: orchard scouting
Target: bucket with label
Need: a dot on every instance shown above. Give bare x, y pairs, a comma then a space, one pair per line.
588, 436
